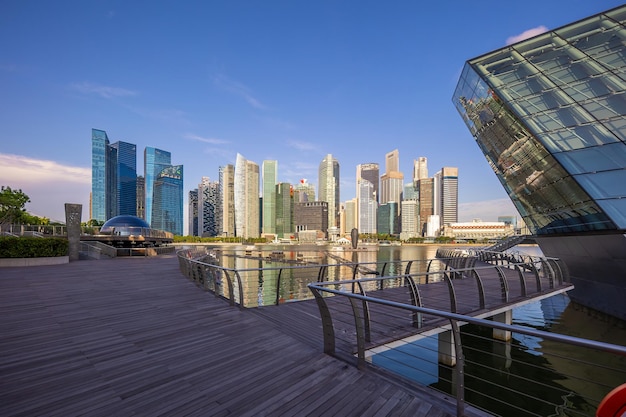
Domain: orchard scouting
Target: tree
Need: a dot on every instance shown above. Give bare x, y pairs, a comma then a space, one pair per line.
12, 204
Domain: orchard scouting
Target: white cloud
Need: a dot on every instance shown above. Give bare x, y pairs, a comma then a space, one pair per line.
212, 141
526, 34
301, 145
486, 210
102, 90
49, 184
238, 89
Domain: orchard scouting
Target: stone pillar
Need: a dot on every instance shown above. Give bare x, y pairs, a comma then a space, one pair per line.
73, 213
506, 318
447, 350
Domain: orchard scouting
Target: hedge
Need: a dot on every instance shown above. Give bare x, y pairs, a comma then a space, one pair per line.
32, 247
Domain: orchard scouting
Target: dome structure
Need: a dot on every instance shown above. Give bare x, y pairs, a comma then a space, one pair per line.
124, 225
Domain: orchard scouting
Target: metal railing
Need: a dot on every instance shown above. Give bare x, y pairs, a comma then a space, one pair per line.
445, 357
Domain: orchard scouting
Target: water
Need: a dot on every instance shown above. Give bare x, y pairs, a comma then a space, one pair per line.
547, 373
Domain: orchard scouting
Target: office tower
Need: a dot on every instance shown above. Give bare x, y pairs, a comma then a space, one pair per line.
329, 188
392, 181
370, 172
123, 159
311, 216
304, 192
420, 168
270, 179
410, 191
193, 213
367, 207
388, 219
425, 188
283, 208
141, 197
227, 195
154, 161
99, 145
246, 198
209, 206
167, 201
449, 195
410, 219
549, 115
350, 215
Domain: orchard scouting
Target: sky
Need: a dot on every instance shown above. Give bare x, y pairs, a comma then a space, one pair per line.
289, 80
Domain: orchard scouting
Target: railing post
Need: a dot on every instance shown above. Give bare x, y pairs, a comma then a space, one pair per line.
327, 322
504, 284
280, 272
459, 369
360, 334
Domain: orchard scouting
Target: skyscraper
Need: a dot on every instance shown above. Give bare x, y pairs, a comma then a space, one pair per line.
304, 191
125, 184
425, 188
392, 181
329, 188
420, 168
167, 202
283, 210
154, 161
99, 145
192, 216
549, 114
227, 195
367, 207
371, 172
141, 197
270, 179
410, 220
246, 198
209, 206
449, 195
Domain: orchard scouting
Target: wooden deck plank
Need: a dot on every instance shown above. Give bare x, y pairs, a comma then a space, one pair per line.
133, 337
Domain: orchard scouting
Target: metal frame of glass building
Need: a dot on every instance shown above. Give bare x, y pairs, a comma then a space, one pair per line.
549, 113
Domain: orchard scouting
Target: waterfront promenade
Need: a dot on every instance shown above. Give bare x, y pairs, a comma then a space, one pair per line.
133, 337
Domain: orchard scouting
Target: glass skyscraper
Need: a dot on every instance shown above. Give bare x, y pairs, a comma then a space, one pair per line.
99, 146
167, 202
246, 198
125, 166
329, 188
270, 179
549, 113
154, 161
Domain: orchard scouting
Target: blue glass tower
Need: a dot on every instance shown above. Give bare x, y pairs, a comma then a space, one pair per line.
99, 145
155, 160
125, 165
167, 202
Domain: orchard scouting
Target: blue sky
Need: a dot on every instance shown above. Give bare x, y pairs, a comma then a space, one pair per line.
285, 80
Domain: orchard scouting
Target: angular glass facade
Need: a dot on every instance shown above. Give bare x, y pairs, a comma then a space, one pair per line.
549, 115
125, 180
154, 160
99, 145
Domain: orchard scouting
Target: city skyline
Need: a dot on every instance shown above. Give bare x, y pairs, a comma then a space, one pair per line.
275, 81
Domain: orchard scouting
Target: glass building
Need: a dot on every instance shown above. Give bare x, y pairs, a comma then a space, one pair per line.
124, 164
99, 145
549, 115
167, 202
154, 161
270, 179
328, 188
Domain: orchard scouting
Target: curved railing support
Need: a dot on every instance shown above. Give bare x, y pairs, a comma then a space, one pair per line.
504, 284
327, 322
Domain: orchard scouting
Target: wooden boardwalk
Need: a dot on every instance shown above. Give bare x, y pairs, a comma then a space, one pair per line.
133, 337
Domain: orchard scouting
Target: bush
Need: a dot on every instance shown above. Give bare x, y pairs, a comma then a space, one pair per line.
32, 247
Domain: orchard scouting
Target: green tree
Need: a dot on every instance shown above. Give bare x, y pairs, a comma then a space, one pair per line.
12, 204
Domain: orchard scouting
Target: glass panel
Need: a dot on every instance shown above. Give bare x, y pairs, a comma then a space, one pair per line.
530, 86
578, 33
616, 210
613, 60
592, 87
552, 60
577, 71
598, 158
607, 184
617, 126
607, 107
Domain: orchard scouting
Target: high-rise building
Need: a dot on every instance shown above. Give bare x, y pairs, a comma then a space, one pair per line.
99, 146
141, 197
329, 188
449, 195
425, 187
410, 191
388, 220
193, 213
370, 172
227, 195
304, 191
167, 202
550, 116
392, 181
420, 168
311, 216
124, 164
246, 198
270, 179
154, 161
283, 208
209, 206
367, 208
410, 220
350, 215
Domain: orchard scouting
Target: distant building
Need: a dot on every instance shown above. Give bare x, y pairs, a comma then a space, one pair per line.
167, 202
478, 230
154, 161
209, 208
388, 219
311, 216
193, 213
367, 208
246, 198
99, 145
269, 180
349, 216
283, 208
304, 191
425, 187
392, 181
420, 169
329, 188
410, 220
446, 195
370, 172
141, 197
227, 195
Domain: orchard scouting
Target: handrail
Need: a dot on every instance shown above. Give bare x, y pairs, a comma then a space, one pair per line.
454, 318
